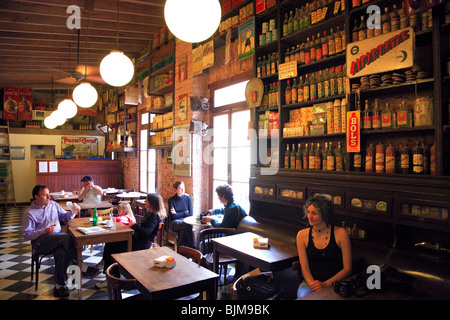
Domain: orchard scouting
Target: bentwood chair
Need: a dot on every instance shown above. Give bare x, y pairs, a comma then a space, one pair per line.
207, 247
197, 257
116, 284
36, 260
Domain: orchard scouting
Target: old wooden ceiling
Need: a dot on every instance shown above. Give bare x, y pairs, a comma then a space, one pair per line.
39, 51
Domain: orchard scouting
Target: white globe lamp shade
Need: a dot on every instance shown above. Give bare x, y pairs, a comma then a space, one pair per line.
68, 108
192, 20
116, 69
58, 117
85, 95
49, 123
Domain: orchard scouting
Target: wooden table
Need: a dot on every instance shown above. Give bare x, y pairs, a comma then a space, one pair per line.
90, 205
131, 196
184, 279
70, 197
278, 256
121, 233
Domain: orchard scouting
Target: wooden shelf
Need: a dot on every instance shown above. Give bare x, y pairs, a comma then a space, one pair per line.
13, 130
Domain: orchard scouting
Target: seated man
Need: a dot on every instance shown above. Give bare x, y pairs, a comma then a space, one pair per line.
180, 207
41, 225
90, 192
232, 213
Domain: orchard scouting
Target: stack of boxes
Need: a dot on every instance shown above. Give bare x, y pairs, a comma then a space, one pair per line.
164, 121
299, 120
268, 124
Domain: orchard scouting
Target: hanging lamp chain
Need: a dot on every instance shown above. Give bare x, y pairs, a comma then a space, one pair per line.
117, 28
87, 47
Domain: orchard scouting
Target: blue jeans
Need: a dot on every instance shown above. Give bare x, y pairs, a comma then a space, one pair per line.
303, 289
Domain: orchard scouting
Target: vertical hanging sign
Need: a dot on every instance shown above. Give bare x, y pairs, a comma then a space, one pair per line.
353, 131
246, 41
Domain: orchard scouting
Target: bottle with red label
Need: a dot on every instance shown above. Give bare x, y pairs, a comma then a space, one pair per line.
370, 158
390, 159
418, 162
376, 116
379, 158
367, 116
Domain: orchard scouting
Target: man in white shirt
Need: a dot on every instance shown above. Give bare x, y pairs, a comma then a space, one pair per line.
90, 192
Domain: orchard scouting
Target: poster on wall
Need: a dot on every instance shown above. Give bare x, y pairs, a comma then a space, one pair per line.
181, 152
208, 54
182, 107
81, 147
246, 37
197, 58
182, 69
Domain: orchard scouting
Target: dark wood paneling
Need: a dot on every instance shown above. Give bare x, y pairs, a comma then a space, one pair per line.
106, 173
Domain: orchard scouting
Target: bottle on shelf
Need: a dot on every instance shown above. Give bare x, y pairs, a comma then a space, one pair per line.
326, 83
306, 96
313, 87
296, 20
294, 91
404, 116
287, 157
405, 159
258, 68
318, 46
379, 158
320, 86
324, 40
370, 32
298, 157
426, 158
285, 24
318, 158
376, 116
387, 117
367, 116
330, 158
290, 26
300, 96
390, 159
370, 158
288, 93
395, 18
385, 22
312, 158
357, 161
340, 158
338, 40
418, 162
292, 157
302, 54
324, 157
340, 81
362, 29
307, 52
355, 31
313, 10
333, 82
312, 48
331, 44
305, 157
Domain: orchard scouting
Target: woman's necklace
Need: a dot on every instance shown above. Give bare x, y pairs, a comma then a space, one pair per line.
319, 232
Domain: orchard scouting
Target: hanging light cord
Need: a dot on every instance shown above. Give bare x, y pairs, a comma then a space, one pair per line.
117, 29
87, 47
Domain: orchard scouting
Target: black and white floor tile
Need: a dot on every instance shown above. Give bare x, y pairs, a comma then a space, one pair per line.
15, 265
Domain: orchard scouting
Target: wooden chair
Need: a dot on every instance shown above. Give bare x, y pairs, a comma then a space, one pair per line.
36, 260
197, 257
116, 284
171, 234
297, 267
206, 248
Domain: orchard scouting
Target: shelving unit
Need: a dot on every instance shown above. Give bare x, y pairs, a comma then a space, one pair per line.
162, 69
392, 192
6, 173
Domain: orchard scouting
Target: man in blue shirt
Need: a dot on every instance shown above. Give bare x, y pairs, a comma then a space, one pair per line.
180, 207
41, 225
232, 213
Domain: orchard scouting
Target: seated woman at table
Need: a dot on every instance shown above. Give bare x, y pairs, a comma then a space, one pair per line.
180, 207
232, 213
144, 231
125, 214
90, 192
324, 250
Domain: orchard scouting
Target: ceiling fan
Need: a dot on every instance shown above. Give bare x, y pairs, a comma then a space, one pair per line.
82, 71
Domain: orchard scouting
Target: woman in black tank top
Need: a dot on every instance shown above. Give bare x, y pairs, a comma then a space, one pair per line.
324, 250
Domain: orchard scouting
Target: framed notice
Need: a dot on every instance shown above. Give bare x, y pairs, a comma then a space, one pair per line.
387, 52
287, 70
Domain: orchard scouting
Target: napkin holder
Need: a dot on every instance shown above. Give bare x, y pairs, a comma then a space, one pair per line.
164, 262
261, 243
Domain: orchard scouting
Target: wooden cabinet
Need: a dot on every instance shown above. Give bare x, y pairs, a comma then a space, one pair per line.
378, 201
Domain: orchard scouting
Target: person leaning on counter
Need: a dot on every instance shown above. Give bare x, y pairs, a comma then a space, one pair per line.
232, 213
41, 225
90, 192
324, 250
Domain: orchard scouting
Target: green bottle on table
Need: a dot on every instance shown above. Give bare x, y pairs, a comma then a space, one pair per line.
94, 217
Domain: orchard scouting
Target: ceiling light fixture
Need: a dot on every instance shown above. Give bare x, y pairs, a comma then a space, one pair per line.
85, 94
116, 68
192, 20
68, 107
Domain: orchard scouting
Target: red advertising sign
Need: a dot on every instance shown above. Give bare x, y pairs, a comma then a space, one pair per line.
354, 131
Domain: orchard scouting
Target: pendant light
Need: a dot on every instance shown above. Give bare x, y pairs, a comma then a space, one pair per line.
49, 123
85, 95
68, 108
192, 20
116, 68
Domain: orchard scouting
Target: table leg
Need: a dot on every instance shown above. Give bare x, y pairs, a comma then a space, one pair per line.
211, 292
130, 243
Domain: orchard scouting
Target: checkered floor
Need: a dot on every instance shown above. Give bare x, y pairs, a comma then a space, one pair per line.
15, 265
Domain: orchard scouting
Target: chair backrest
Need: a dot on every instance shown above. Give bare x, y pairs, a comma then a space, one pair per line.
206, 235
234, 290
117, 284
193, 254
159, 234
101, 212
